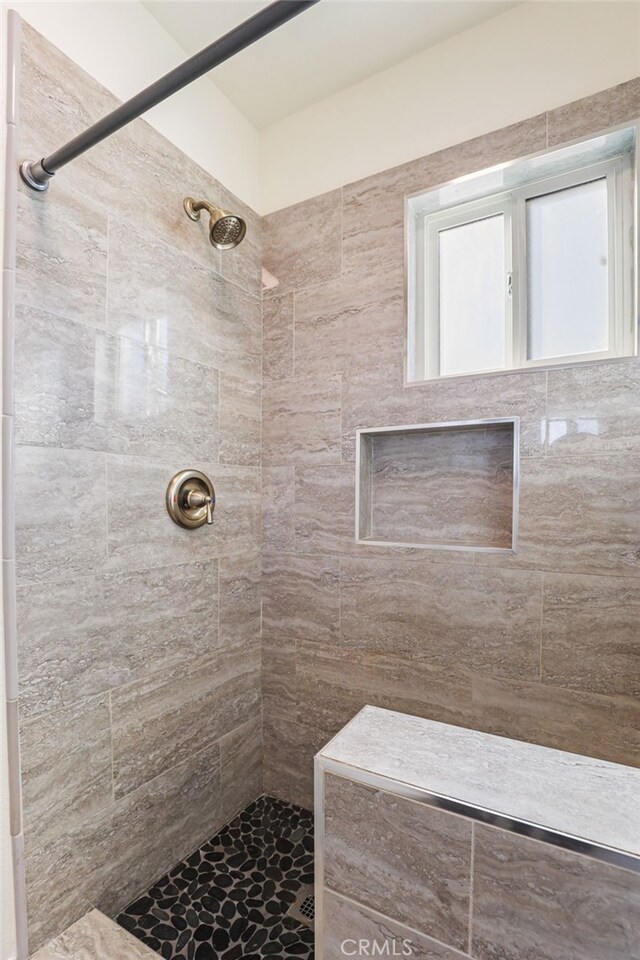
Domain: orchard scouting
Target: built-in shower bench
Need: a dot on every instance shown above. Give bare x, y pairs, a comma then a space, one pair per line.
442, 842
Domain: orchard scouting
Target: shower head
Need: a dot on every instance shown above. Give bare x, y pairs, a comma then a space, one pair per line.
226, 230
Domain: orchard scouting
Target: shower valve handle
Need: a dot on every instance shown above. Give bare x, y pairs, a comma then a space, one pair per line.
196, 499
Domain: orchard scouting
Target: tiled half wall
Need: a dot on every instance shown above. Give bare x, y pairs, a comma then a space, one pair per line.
137, 354
540, 646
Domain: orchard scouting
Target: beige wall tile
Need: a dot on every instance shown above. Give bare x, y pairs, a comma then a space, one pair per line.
66, 764
571, 720
300, 596
590, 638
241, 767
488, 621
66, 535
97, 935
243, 264
342, 324
240, 596
289, 749
347, 923
302, 242
240, 414
301, 421
324, 509
594, 409
277, 337
278, 499
278, 675
534, 900
591, 114
398, 857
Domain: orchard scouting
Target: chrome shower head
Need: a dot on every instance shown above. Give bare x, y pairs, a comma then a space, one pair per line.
226, 230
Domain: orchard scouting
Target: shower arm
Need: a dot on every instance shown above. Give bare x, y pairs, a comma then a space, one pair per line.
37, 173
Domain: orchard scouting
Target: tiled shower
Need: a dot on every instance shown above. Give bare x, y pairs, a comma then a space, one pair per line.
173, 682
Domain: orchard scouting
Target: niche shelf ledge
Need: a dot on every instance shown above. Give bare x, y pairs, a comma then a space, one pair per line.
445, 486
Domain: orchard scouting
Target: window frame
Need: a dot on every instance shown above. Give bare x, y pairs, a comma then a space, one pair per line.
619, 170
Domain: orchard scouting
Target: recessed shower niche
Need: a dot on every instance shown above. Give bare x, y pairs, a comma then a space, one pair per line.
451, 486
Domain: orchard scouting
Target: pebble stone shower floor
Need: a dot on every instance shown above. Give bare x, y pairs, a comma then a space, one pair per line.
229, 899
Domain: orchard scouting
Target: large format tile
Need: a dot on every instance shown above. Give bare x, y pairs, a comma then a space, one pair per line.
347, 323
240, 596
64, 643
301, 421
277, 337
240, 414
120, 850
590, 634
163, 406
243, 264
377, 398
62, 254
405, 860
302, 242
324, 509
616, 105
177, 712
64, 533
580, 514
278, 498
241, 767
62, 382
534, 900
571, 720
443, 614
289, 749
594, 409
347, 924
161, 618
65, 760
278, 675
301, 596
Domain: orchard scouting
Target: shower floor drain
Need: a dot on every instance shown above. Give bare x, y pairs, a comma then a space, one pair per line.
303, 909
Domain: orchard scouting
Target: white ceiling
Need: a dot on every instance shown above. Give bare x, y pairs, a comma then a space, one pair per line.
325, 49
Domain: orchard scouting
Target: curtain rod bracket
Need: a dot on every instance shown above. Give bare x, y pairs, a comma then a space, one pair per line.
34, 175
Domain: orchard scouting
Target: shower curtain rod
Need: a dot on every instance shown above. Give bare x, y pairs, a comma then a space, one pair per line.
37, 173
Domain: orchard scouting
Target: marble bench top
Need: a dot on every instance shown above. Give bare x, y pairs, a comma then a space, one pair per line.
581, 797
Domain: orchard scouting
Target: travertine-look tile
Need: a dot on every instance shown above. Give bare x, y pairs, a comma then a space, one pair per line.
324, 509
301, 596
65, 643
301, 421
278, 499
333, 683
346, 924
163, 406
590, 634
401, 858
241, 767
240, 594
615, 105
62, 254
177, 712
243, 264
302, 242
65, 760
161, 618
64, 535
95, 935
374, 207
289, 748
534, 900
377, 398
62, 382
444, 614
120, 850
278, 675
572, 720
240, 412
574, 518
277, 337
594, 409
341, 324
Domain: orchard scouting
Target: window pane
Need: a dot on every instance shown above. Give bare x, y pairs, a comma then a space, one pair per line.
472, 296
567, 272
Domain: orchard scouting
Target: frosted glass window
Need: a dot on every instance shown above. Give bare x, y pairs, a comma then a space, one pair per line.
568, 272
472, 306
